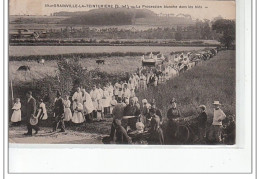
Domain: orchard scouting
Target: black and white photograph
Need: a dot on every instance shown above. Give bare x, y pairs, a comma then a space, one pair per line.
122, 73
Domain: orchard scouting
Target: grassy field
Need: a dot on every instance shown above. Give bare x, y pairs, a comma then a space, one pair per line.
112, 65
55, 50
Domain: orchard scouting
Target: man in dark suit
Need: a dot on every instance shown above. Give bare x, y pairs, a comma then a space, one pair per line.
30, 108
58, 113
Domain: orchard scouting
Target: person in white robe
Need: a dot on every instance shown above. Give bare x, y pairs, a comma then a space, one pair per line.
67, 111
126, 93
100, 110
77, 95
87, 102
42, 112
116, 91
110, 90
16, 116
113, 102
77, 117
143, 84
155, 80
106, 101
95, 96
136, 81
132, 93
100, 89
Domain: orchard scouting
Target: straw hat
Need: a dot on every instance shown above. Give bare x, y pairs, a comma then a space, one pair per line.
202, 107
216, 103
33, 120
144, 101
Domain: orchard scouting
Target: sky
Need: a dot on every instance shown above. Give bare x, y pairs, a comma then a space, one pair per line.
209, 8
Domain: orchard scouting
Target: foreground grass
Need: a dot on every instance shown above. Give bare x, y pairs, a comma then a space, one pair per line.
209, 81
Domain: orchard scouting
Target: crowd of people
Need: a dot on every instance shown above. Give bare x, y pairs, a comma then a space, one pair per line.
129, 116
120, 102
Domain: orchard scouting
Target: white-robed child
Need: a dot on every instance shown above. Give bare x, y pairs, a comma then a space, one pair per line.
113, 102
16, 116
100, 110
78, 113
67, 111
106, 101
42, 112
132, 93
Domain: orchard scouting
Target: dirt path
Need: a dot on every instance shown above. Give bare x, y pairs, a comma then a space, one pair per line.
46, 136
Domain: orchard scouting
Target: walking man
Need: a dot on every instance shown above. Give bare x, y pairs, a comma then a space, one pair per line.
30, 112
58, 113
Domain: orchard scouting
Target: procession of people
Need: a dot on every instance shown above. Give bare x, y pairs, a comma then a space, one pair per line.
119, 101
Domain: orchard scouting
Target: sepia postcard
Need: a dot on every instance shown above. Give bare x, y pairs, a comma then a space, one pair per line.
154, 72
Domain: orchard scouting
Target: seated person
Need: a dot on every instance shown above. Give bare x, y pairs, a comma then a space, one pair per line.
230, 131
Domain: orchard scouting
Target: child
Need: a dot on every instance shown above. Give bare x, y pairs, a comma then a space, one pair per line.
78, 113
42, 112
113, 102
16, 116
100, 110
67, 111
132, 93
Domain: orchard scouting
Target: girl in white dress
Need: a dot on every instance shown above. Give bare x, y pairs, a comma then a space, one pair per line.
16, 116
78, 113
100, 110
67, 111
42, 112
113, 102
106, 101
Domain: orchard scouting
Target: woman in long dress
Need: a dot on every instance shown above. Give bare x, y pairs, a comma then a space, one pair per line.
78, 113
42, 113
67, 111
16, 116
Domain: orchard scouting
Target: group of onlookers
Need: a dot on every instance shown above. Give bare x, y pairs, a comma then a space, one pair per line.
128, 116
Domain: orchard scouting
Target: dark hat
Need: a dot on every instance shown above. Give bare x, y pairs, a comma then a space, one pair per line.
58, 93
29, 92
173, 100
